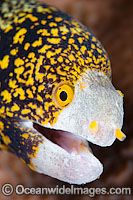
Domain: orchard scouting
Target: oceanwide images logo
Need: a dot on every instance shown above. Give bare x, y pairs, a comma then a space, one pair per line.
8, 189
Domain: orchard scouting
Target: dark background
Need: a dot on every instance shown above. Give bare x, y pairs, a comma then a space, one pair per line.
112, 23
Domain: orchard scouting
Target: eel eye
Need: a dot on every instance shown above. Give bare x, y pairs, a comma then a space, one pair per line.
63, 94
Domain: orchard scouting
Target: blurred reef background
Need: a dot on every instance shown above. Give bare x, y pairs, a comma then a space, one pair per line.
111, 22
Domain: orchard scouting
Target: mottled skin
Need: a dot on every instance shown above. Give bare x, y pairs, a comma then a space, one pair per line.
40, 47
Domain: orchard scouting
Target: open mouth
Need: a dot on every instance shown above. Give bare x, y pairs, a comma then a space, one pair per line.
64, 155
66, 140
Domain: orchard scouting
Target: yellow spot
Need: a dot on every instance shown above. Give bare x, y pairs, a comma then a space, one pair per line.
83, 85
83, 49
54, 32
64, 37
34, 89
43, 10
2, 125
26, 46
57, 51
17, 28
11, 74
33, 106
44, 32
12, 83
8, 28
93, 39
2, 110
22, 14
31, 55
53, 61
6, 96
9, 114
51, 24
4, 63
26, 60
19, 91
21, 20
19, 62
36, 24
89, 59
6, 140
19, 37
66, 60
64, 30
37, 43
29, 92
99, 50
32, 27
25, 135
43, 22
33, 59
53, 77
44, 48
71, 57
13, 52
39, 98
39, 76
25, 111
71, 41
93, 127
60, 59
92, 46
15, 107
54, 40
58, 19
31, 17
80, 40
40, 88
50, 54
120, 135
49, 16
19, 71
121, 94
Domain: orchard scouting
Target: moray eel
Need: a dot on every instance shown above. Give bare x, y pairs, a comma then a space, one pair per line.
56, 93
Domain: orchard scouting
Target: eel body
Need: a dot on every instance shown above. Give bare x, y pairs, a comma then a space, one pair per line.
55, 92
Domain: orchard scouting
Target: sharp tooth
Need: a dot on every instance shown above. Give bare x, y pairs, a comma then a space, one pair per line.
120, 135
85, 147
93, 127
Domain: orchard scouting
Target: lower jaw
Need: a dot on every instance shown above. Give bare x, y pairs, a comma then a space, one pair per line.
73, 167
57, 158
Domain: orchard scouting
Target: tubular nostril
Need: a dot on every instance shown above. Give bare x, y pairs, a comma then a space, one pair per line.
120, 135
121, 94
93, 127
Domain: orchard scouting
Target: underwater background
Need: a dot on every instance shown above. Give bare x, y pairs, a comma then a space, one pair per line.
112, 23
